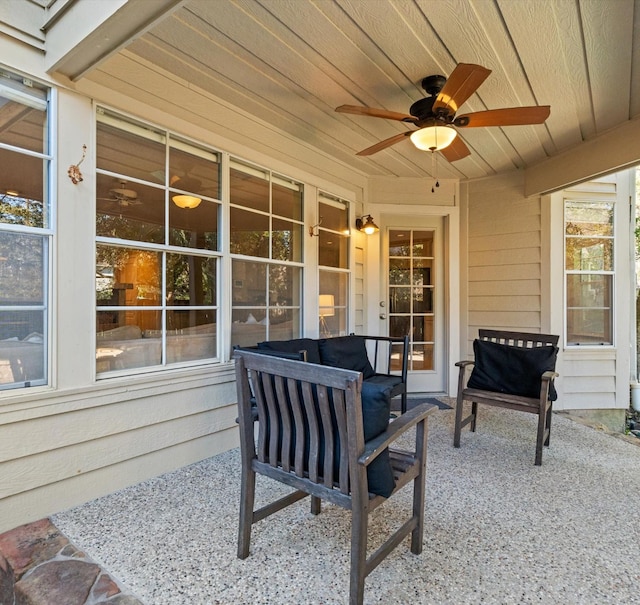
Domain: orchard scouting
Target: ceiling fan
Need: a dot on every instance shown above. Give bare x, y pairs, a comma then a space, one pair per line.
435, 115
122, 196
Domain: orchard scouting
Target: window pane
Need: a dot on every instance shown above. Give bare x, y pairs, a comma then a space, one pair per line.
284, 285
583, 218
249, 284
191, 335
399, 244
24, 118
129, 210
399, 300
286, 240
195, 227
399, 325
423, 243
191, 280
399, 271
248, 327
22, 193
249, 233
332, 303
589, 254
127, 340
422, 275
284, 324
422, 300
421, 356
249, 190
138, 153
194, 170
22, 269
22, 347
335, 216
287, 200
589, 308
333, 249
127, 277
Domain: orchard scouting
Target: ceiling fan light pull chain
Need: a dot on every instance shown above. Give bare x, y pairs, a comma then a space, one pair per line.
434, 171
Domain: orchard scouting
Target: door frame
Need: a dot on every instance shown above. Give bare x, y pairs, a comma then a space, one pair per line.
375, 290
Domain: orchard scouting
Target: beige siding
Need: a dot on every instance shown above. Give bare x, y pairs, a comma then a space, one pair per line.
121, 438
504, 259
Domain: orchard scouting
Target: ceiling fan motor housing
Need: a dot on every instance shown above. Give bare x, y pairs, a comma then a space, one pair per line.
433, 84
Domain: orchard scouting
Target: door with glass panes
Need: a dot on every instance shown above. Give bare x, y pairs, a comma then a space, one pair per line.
415, 300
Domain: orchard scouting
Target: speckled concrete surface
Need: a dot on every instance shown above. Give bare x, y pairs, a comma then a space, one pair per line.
499, 530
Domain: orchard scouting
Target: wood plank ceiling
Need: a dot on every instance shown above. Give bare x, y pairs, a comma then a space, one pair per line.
290, 63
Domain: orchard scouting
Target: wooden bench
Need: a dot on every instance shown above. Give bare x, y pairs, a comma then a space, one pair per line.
316, 435
540, 404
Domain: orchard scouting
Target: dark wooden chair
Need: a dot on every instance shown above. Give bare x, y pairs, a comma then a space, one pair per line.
540, 404
311, 436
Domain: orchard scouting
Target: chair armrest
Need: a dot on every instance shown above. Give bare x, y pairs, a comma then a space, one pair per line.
397, 427
465, 363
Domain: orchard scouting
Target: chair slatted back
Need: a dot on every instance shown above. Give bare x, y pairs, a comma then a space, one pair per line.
305, 413
518, 339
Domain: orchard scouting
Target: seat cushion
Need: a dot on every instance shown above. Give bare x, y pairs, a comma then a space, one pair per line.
294, 346
514, 370
376, 409
346, 352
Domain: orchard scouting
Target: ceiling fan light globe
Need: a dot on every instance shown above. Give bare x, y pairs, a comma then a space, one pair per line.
186, 201
433, 138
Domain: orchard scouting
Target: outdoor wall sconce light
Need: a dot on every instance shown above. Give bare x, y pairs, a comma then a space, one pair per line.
369, 227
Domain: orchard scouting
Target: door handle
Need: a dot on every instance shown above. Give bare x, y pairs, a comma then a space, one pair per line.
383, 316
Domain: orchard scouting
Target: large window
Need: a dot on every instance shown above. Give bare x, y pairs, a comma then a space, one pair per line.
333, 273
589, 272
265, 238
157, 247
25, 233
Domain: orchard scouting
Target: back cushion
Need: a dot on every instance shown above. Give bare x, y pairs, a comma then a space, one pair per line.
346, 352
294, 346
508, 369
376, 409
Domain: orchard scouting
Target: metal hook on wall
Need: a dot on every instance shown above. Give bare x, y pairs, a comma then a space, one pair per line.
74, 170
314, 229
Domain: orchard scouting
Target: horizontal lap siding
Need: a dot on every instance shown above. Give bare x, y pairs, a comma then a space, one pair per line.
589, 380
52, 462
504, 258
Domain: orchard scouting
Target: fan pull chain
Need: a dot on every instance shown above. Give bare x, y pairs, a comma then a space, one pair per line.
434, 171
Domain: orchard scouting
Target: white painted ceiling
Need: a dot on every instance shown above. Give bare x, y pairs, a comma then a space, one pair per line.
290, 63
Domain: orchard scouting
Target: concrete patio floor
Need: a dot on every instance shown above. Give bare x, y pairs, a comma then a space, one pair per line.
499, 530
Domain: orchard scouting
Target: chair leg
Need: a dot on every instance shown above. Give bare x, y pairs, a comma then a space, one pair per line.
458, 421
247, 500
548, 428
542, 417
474, 415
419, 488
315, 505
403, 402
359, 523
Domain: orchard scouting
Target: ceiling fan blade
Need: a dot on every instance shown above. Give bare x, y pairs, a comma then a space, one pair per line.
456, 151
509, 116
384, 144
460, 85
375, 113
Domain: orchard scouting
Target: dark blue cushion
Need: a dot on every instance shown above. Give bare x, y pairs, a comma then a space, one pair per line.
514, 370
376, 408
294, 346
385, 380
346, 352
